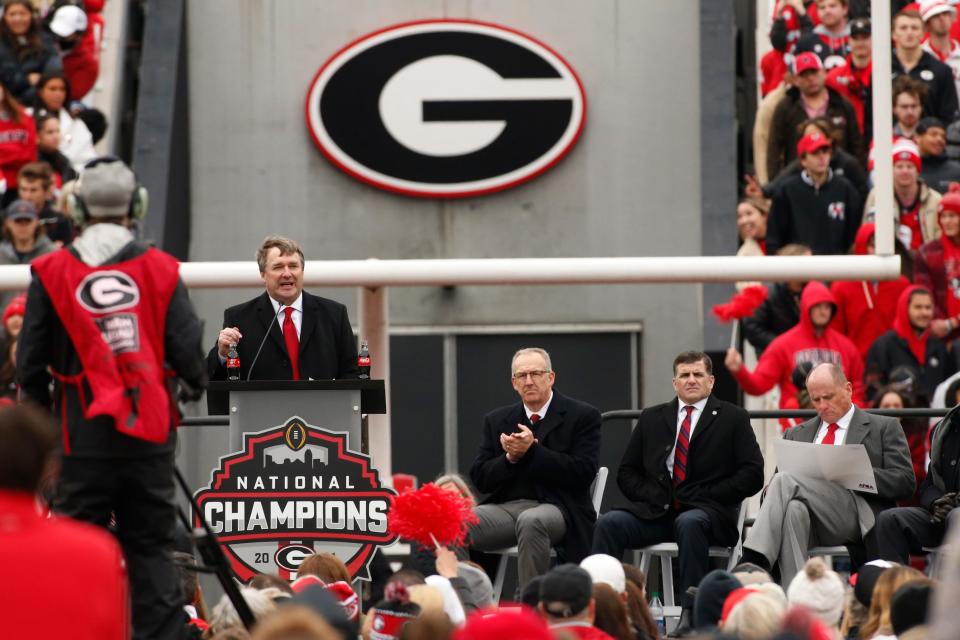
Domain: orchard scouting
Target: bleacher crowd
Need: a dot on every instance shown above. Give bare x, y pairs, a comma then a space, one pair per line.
812, 193
49, 62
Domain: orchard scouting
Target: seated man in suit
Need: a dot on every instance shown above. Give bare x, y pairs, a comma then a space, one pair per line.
906, 530
798, 513
690, 463
537, 460
310, 340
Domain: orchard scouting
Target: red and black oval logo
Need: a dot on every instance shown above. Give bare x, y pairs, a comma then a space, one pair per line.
445, 108
107, 291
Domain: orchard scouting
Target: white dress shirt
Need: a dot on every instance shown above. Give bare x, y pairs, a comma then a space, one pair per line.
694, 418
543, 410
841, 435
297, 313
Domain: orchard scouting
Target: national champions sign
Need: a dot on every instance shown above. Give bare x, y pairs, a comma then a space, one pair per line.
294, 490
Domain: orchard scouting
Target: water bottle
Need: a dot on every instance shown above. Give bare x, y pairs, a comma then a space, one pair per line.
233, 363
656, 612
363, 361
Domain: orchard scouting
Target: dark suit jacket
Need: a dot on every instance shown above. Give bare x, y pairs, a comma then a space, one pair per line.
887, 447
562, 464
328, 349
724, 465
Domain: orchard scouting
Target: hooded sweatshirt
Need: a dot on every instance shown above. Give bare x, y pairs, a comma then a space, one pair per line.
800, 345
902, 347
865, 310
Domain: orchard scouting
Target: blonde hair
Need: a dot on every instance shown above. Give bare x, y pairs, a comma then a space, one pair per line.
224, 615
429, 598
756, 617
854, 615
887, 584
295, 623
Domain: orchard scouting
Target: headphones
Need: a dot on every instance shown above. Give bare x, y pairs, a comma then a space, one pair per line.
77, 208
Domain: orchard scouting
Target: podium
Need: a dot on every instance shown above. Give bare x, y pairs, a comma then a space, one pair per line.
256, 405
294, 479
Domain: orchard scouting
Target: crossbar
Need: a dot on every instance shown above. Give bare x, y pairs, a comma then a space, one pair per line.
521, 271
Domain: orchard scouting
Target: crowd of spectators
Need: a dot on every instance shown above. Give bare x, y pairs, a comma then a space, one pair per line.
812, 192
49, 61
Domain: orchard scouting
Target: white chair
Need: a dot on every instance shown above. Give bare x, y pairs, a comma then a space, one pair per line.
934, 556
828, 553
667, 551
596, 492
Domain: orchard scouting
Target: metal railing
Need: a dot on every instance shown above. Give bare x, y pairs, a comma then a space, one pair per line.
632, 414
924, 412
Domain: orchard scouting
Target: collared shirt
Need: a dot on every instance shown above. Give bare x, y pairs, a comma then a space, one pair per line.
297, 312
694, 418
543, 410
841, 436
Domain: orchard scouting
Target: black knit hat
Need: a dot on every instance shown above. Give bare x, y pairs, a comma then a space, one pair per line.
711, 594
565, 591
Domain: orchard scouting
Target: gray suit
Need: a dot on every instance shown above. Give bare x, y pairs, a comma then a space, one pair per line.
801, 512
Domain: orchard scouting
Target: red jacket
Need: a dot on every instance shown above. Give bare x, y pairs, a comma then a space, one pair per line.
64, 579
18, 146
865, 310
582, 631
853, 84
800, 345
81, 64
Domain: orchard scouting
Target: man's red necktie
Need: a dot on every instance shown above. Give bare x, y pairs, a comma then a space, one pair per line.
831, 437
683, 444
293, 343
534, 418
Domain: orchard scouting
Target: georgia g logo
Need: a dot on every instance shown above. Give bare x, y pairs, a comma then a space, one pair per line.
107, 291
445, 108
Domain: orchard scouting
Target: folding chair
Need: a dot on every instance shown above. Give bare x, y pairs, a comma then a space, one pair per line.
596, 491
666, 551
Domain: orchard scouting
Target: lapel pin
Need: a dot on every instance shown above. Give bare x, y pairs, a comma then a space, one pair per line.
714, 412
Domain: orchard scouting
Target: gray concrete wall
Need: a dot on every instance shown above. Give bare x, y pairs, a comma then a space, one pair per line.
630, 187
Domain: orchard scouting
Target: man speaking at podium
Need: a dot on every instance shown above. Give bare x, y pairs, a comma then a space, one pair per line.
309, 338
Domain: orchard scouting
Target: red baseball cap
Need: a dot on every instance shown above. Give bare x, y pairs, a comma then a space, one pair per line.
806, 61
811, 142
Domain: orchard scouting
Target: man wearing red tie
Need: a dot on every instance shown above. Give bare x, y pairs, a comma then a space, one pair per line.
689, 465
537, 460
797, 512
310, 337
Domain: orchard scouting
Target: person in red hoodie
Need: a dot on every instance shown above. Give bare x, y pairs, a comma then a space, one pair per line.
65, 579
18, 138
936, 267
866, 310
909, 345
812, 341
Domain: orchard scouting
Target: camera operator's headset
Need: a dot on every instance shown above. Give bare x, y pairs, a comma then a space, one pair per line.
77, 208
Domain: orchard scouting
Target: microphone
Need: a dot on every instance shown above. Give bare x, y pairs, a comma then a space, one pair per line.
264, 341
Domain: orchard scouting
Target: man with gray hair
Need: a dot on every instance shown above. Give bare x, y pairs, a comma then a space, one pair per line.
110, 321
799, 512
537, 460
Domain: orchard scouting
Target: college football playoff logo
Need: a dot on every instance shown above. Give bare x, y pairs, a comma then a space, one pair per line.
445, 108
295, 490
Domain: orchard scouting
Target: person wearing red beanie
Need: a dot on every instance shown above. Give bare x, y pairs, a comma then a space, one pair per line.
937, 267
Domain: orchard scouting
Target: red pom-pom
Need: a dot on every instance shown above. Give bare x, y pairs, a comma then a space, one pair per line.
430, 510
742, 304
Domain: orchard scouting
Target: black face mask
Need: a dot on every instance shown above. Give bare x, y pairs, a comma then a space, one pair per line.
66, 45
